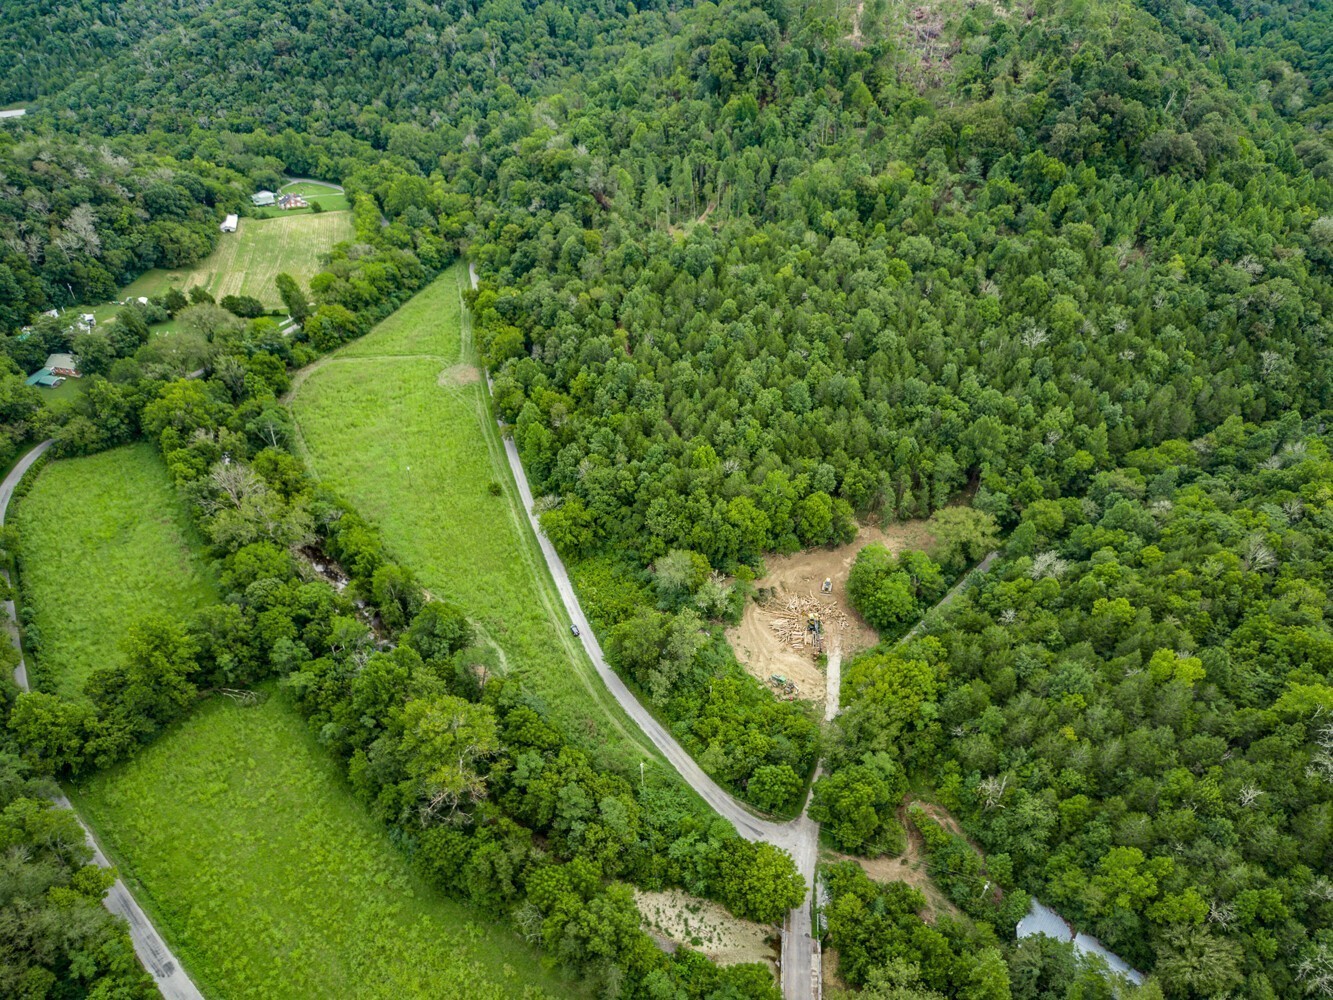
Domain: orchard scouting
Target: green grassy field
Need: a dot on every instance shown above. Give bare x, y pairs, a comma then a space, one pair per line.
399, 425
103, 542
249, 851
328, 197
62, 395
247, 261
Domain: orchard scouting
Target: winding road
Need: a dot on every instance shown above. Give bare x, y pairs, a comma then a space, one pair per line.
167, 972
801, 968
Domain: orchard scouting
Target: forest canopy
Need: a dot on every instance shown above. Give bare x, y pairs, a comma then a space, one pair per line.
1056, 273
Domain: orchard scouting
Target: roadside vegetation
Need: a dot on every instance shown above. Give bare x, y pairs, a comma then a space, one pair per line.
103, 542
473, 776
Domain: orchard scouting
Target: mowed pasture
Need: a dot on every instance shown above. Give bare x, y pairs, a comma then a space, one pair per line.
399, 423
247, 261
103, 542
237, 833
326, 196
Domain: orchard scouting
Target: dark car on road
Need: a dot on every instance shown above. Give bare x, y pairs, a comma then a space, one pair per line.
574, 629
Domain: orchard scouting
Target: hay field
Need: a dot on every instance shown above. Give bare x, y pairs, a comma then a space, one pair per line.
247, 261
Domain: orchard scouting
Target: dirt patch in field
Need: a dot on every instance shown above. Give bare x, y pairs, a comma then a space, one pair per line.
676, 918
457, 375
832, 980
910, 866
773, 636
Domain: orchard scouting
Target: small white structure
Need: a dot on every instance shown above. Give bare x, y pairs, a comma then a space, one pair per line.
263, 198
14, 113
229, 224
53, 313
88, 320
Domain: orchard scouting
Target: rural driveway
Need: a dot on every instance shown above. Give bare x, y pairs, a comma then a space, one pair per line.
311, 180
167, 973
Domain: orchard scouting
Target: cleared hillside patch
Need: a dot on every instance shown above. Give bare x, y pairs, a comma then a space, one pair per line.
103, 542
420, 455
247, 261
236, 831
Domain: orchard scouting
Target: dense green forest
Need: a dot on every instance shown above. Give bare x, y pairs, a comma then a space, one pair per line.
750, 271
1132, 711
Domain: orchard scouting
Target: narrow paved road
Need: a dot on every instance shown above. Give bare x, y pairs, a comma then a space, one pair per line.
802, 975
153, 952
801, 971
800, 837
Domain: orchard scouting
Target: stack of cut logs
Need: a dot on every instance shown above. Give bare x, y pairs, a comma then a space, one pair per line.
789, 618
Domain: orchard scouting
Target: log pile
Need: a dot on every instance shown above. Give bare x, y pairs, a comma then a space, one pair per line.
789, 618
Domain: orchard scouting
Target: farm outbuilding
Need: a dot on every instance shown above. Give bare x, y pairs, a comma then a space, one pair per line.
45, 379
262, 199
229, 224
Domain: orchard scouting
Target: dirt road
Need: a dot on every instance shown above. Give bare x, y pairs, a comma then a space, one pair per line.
167, 973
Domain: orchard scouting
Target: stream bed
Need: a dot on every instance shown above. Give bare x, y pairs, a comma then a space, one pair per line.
1043, 920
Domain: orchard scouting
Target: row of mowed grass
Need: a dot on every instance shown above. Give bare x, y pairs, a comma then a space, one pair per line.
238, 834
399, 424
103, 541
247, 261
235, 828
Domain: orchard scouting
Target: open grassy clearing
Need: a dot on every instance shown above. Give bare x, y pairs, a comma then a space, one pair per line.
391, 422
63, 395
239, 836
104, 542
328, 197
247, 261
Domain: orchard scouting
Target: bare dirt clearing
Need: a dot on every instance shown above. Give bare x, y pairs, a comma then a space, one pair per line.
773, 636
706, 927
910, 866
458, 375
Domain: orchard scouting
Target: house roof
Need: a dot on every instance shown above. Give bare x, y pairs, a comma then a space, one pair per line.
263, 197
44, 377
62, 361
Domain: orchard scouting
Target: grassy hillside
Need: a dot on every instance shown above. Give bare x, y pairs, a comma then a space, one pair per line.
237, 833
104, 542
398, 425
